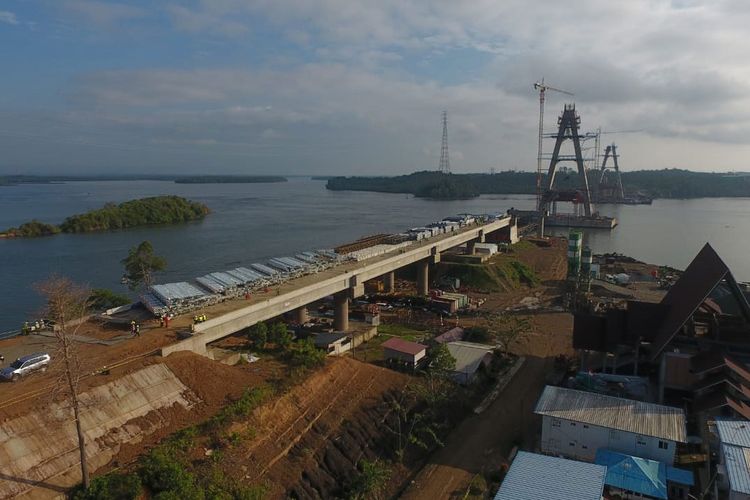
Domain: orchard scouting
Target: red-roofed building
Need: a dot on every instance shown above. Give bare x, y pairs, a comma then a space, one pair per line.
404, 353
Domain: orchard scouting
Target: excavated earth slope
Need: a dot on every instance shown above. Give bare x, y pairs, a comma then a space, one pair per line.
308, 442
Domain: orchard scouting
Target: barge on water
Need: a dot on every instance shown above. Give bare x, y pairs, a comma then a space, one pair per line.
567, 220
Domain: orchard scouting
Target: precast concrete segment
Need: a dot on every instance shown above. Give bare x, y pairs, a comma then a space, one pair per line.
112, 416
341, 311
423, 278
330, 282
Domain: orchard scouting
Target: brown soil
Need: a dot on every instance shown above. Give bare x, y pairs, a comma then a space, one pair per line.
307, 443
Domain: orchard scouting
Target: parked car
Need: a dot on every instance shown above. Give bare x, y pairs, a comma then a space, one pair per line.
25, 365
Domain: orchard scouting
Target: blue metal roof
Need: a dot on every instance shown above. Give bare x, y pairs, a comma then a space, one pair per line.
737, 463
533, 476
640, 475
736, 432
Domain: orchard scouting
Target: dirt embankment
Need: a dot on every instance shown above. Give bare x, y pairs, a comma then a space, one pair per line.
308, 442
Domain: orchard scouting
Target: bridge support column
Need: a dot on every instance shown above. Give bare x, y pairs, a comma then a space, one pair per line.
423, 276
301, 316
470, 247
341, 311
389, 281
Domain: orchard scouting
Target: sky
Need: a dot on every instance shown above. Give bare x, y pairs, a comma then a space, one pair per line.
356, 87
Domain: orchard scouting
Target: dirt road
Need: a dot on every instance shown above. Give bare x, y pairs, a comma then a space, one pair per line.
481, 443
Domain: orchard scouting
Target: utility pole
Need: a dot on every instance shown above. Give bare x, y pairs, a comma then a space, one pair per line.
445, 163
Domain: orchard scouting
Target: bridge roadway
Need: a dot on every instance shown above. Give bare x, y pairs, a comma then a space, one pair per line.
348, 278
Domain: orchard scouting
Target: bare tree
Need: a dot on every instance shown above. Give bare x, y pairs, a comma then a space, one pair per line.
66, 303
507, 328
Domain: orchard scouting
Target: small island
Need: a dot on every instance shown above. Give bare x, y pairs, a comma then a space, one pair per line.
156, 210
230, 179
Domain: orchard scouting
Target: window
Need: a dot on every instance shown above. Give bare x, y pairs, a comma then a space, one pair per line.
572, 443
572, 424
555, 422
584, 447
640, 440
585, 426
663, 445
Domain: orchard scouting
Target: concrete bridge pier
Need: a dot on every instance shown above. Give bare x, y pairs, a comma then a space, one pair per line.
341, 311
423, 277
301, 315
389, 281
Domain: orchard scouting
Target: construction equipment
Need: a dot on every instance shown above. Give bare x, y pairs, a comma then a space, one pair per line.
542, 88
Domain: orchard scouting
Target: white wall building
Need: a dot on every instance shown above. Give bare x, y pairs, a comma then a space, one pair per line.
577, 423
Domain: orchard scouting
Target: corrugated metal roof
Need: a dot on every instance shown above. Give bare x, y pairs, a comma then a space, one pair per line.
736, 432
736, 461
468, 355
647, 477
533, 477
401, 345
647, 419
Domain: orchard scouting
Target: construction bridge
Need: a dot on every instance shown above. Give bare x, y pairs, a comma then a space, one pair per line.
344, 282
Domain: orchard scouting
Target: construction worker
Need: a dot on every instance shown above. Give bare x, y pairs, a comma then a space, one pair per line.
137, 329
166, 321
161, 321
26, 329
132, 327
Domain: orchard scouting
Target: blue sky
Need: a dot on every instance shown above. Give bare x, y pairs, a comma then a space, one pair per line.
356, 87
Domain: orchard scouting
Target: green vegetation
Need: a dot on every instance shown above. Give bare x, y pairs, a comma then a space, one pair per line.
303, 354
501, 273
31, 229
370, 480
440, 361
667, 183
135, 213
448, 187
143, 212
102, 298
397, 330
229, 179
141, 264
169, 471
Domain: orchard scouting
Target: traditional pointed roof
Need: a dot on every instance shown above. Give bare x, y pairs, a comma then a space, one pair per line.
701, 277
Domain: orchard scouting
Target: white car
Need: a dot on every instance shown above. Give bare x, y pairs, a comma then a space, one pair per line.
26, 365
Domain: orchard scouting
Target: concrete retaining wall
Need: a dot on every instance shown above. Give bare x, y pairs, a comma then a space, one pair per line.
42, 446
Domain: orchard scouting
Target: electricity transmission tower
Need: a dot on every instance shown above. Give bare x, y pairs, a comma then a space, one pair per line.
445, 163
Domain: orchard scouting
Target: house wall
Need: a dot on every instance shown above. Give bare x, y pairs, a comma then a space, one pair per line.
401, 356
580, 441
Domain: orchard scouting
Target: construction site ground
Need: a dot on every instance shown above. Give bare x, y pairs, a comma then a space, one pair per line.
301, 444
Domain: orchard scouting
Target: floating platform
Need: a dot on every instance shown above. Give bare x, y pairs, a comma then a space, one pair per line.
594, 222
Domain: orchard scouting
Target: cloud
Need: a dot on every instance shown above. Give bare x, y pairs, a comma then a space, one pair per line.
215, 21
8, 17
102, 14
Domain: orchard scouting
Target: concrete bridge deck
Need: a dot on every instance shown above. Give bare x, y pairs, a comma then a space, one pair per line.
348, 278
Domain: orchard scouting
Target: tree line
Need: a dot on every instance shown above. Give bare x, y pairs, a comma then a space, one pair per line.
666, 183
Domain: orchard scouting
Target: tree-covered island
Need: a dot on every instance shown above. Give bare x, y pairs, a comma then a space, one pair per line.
156, 210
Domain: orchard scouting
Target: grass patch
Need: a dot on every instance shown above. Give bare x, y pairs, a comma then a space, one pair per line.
397, 330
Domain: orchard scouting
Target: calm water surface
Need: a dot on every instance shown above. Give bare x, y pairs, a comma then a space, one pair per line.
252, 222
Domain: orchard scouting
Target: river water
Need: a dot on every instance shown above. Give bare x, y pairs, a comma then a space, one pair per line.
252, 222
